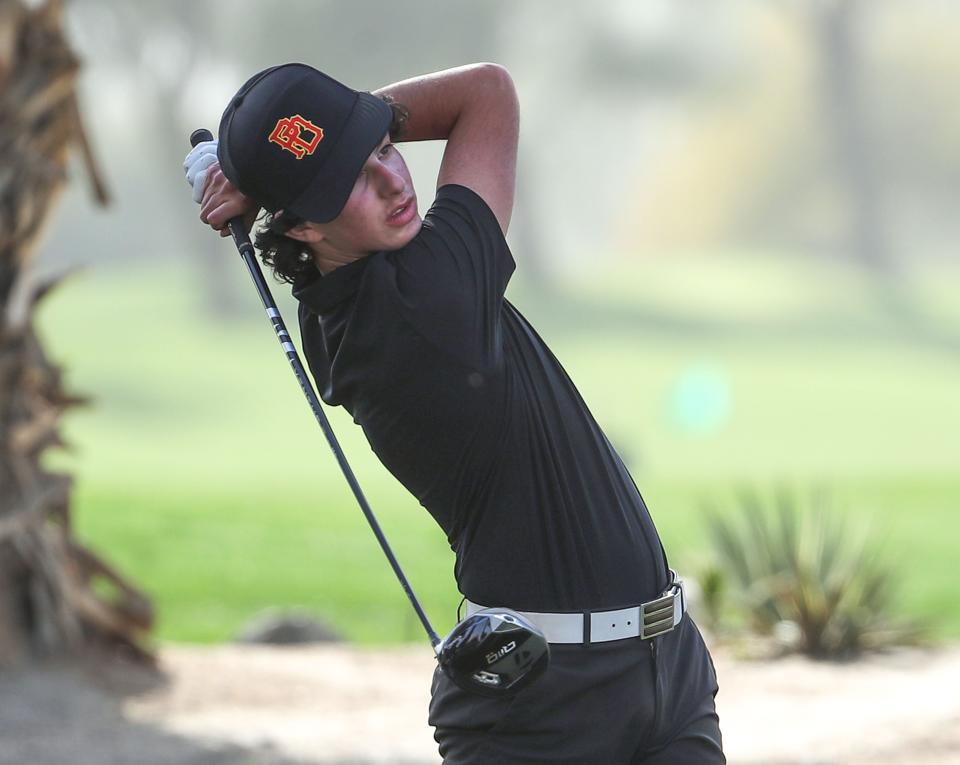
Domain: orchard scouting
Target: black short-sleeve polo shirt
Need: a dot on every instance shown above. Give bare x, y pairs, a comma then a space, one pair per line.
464, 403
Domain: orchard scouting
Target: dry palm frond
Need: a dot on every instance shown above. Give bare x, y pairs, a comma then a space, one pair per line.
50, 587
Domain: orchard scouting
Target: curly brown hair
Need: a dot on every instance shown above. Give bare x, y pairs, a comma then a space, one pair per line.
287, 257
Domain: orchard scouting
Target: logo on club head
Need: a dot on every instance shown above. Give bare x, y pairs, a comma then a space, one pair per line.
297, 135
501, 652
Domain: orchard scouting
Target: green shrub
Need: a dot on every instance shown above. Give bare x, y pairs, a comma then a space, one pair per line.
805, 577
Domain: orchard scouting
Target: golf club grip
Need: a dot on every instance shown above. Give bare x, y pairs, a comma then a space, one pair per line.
242, 241
200, 135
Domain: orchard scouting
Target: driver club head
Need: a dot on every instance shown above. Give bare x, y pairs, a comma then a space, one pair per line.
494, 652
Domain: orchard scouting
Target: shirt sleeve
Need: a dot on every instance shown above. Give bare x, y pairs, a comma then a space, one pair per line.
450, 281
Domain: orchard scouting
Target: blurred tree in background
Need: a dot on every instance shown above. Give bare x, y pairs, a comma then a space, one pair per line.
818, 127
55, 595
823, 128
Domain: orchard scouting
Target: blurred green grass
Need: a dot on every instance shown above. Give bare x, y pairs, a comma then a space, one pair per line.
202, 475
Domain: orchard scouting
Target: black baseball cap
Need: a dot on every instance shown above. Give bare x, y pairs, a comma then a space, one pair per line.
295, 139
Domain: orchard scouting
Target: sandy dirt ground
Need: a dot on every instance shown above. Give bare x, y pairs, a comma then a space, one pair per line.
335, 705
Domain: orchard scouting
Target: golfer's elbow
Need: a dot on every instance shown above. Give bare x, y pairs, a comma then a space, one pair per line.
497, 83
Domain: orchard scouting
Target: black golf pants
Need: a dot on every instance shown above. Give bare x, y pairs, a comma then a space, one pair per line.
626, 702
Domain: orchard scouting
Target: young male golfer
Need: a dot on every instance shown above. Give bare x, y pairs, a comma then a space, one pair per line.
405, 324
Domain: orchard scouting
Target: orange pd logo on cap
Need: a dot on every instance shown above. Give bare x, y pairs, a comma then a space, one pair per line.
297, 135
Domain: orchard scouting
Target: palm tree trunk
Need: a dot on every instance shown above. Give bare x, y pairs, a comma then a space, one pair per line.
55, 596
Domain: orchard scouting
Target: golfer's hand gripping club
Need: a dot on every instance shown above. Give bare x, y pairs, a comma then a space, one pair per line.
242, 240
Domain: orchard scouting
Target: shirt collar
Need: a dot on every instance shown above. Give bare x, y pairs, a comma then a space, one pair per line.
322, 293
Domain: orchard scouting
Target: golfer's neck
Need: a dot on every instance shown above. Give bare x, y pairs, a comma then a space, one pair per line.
326, 262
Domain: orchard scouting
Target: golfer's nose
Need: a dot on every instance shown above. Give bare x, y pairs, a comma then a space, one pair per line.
390, 181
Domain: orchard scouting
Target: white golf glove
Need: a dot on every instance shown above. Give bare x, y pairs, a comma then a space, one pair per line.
196, 164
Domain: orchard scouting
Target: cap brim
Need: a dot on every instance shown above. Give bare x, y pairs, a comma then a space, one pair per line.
324, 198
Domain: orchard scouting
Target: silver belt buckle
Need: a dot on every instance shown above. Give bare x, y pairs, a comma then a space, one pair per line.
657, 616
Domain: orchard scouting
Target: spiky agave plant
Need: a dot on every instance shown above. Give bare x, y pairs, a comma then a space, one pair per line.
800, 564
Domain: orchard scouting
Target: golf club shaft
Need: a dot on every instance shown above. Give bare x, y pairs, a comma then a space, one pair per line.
242, 241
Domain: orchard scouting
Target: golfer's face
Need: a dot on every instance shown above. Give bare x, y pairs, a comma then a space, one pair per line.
381, 213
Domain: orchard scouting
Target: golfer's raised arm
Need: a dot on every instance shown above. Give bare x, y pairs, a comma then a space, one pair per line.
475, 109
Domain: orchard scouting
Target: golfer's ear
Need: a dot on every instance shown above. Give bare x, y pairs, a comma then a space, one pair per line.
306, 232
